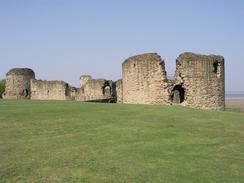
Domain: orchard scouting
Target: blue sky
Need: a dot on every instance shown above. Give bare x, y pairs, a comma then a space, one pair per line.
63, 39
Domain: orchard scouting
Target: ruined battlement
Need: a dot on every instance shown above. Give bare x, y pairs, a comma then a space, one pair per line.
84, 79
18, 83
49, 90
95, 89
144, 79
21, 71
198, 82
203, 80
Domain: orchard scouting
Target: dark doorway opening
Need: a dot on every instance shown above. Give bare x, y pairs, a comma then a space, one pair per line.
25, 93
66, 91
178, 94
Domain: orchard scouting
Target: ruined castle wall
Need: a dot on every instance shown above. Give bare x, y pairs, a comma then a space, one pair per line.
199, 82
95, 90
84, 79
119, 91
145, 80
49, 90
72, 93
18, 83
203, 80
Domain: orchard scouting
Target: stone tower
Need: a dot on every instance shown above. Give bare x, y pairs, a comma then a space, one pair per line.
84, 79
199, 81
145, 80
18, 83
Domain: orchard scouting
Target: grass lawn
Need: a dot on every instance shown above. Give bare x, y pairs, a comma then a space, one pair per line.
65, 141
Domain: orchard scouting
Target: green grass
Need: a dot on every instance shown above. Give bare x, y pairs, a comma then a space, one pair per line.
64, 141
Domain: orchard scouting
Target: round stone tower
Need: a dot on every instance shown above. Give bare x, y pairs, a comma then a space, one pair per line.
199, 81
18, 83
145, 80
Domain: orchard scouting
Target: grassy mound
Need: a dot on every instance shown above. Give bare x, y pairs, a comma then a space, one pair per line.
64, 141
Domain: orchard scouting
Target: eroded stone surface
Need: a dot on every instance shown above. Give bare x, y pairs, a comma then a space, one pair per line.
18, 83
199, 82
119, 91
202, 78
49, 90
95, 90
145, 80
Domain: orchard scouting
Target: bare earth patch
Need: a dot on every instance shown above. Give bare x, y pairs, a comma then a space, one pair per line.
235, 104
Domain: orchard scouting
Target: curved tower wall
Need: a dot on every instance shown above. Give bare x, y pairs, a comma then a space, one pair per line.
199, 82
203, 80
18, 83
144, 80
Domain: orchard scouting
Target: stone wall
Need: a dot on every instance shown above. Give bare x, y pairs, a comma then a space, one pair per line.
84, 79
199, 82
18, 83
49, 90
95, 90
72, 93
202, 80
119, 91
145, 80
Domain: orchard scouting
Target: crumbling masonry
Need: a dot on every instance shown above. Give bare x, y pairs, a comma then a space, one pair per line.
18, 84
199, 82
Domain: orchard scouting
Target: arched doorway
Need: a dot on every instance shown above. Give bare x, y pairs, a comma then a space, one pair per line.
106, 89
178, 94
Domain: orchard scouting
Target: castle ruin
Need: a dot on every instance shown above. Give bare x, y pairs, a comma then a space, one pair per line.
49, 90
199, 82
96, 90
18, 84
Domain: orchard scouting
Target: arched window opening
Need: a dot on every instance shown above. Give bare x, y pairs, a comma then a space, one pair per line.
106, 89
215, 67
